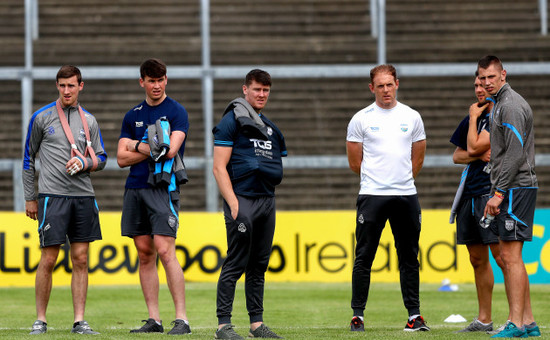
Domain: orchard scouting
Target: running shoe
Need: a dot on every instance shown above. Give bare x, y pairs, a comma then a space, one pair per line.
82, 327
357, 325
533, 331
227, 332
180, 327
263, 332
511, 331
499, 329
150, 326
416, 324
476, 326
39, 327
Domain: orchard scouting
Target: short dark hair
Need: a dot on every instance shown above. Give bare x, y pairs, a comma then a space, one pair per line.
154, 68
68, 71
489, 60
259, 76
385, 68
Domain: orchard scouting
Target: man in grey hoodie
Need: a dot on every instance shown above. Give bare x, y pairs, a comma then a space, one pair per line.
513, 188
70, 146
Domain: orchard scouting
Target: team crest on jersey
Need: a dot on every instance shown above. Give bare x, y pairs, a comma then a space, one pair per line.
404, 127
510, 224
269, 130
360, 219
139, 124
241, 227
82, 135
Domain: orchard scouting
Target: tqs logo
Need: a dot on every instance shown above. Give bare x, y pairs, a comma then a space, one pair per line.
262, 144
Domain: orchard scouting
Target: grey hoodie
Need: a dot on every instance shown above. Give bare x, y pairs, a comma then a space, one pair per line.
46, 136
512, 142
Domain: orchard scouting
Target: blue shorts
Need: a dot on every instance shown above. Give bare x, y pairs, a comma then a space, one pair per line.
517, 212
62, 217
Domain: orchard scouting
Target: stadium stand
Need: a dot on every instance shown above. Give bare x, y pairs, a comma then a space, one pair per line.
313, 113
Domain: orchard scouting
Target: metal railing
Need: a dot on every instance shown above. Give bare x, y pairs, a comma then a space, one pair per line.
543, 11
207, 73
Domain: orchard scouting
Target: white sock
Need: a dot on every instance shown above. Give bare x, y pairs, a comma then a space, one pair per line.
484, 324
412, 317
186, 322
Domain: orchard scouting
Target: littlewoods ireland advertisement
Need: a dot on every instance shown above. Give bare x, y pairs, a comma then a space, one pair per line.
308, 246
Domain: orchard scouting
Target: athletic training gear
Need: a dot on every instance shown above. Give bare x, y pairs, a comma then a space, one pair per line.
533, 331
255, 167
478, 181
180, 327
249, 239
499, 329
386, 136
416, 324
46, 135
517, 213
82, 327
135, 124
75, 218
227, 332
512, 142
469, 230
150, 326
75, 153
39, 327
263, 332
357, 325
511, 331
150, 211
404, 215
476, 326
387, 193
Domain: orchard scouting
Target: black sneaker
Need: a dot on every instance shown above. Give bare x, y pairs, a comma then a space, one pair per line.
82, 327
416, 324
357, 325
39, 327
263, 332
180, 327
227, 332
151, 326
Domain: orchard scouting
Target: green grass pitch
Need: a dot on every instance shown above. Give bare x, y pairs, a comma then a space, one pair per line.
294, 310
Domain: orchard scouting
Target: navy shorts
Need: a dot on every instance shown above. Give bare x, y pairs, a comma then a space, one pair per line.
517, 212
62, 217
150, 211
469, 230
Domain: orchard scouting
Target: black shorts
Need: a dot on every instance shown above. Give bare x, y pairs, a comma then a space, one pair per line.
469, 230
62, 217
517, 212
150, 211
